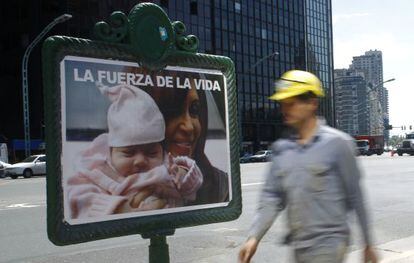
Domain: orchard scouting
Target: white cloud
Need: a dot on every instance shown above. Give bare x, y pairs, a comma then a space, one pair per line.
337, 18
393, 49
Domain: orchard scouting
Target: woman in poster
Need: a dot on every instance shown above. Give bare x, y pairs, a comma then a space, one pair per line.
186, 118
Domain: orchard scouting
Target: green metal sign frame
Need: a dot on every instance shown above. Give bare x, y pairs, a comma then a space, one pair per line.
147, 37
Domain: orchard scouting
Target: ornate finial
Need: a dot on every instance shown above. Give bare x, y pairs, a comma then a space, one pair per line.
149, 33
187, 43
116, 31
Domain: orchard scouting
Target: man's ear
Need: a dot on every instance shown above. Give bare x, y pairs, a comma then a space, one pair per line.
315, 103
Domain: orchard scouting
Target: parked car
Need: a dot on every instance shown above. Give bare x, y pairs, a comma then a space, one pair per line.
32, 165
3, 166
245, 158
261, 156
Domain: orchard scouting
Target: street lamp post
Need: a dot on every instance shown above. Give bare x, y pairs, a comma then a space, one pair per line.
379, 84
26, 118
374, 89
262, 59
275, 53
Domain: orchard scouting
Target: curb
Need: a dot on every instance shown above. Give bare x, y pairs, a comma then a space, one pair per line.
402, 249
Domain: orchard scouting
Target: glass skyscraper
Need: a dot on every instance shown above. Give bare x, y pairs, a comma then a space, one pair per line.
264, 39
319, 48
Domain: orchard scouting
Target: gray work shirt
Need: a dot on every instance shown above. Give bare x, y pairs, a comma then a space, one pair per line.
318, 183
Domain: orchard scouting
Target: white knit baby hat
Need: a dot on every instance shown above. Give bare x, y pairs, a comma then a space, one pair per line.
133, 117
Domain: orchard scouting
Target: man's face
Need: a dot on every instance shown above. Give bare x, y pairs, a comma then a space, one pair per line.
296, 112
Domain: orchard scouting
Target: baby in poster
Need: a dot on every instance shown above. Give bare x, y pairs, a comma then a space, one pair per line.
118, 166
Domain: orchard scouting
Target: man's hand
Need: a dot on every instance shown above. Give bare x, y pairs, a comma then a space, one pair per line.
248, 249
369, 255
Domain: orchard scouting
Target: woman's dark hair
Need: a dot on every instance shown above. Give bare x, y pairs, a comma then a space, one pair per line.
171, 102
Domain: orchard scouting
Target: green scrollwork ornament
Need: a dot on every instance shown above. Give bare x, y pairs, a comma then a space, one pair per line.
116, 31
149, 34
179, 27
185, 43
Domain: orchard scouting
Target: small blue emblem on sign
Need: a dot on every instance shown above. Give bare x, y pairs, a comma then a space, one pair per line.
163, 33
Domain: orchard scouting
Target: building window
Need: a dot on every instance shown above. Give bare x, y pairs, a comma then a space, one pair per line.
193, 7
164, 3
264, 34
237, 7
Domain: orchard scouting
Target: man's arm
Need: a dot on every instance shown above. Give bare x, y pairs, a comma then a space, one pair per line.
351, 175
272, 200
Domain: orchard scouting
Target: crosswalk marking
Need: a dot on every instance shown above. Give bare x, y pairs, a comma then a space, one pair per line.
20, 205
23, 205
250, 184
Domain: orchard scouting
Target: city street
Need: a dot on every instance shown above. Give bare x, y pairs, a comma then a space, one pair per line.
388, 181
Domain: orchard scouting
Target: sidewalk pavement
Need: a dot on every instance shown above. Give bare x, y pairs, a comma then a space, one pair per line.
398, 251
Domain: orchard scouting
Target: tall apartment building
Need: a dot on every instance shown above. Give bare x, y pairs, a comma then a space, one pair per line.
264, 39
351, 109
371, 64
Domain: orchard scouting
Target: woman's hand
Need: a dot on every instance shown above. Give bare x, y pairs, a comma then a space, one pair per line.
187, 177
175, 171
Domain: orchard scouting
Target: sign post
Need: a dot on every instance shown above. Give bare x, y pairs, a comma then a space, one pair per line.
158, 248
141, 132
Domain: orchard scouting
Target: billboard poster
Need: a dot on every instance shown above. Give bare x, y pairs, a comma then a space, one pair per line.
137, 143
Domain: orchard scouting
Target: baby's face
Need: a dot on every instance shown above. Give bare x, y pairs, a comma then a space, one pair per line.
137, 159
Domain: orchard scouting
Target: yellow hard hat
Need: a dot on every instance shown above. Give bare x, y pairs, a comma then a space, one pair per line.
296, 82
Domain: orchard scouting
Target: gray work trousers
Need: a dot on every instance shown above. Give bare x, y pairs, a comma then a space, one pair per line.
330, 251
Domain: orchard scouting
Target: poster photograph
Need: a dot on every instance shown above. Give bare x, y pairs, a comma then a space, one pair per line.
138, 142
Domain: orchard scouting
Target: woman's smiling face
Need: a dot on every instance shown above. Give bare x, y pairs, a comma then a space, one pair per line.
183, 131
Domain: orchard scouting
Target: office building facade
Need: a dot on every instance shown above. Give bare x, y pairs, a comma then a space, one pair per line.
263, 38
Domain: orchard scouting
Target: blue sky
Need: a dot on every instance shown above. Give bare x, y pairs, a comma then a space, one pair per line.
385, 25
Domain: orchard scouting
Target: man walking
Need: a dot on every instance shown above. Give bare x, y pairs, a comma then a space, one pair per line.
314, 176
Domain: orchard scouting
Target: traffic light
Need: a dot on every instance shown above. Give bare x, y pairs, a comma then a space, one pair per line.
388, 127
411, 127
